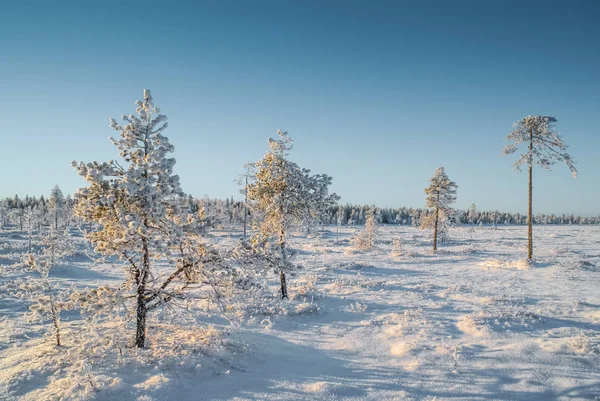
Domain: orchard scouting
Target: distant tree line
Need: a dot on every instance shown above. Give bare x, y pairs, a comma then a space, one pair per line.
229, 212
356, 214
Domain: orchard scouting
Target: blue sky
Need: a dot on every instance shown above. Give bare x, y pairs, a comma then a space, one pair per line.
376, 94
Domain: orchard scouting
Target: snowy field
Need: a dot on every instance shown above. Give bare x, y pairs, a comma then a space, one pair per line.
471, 322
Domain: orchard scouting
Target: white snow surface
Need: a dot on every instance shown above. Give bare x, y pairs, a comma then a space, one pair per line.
473, 321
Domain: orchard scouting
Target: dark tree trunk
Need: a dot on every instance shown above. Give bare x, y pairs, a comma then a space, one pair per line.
435, 224
56, 322
283, 285
141, 312
284, 292
142, 274
142, 308
530, 204
54, 311
245, 206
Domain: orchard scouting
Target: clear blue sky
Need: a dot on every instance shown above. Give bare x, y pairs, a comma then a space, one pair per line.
376, 94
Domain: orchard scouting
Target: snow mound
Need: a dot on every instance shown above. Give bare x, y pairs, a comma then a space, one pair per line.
519, 264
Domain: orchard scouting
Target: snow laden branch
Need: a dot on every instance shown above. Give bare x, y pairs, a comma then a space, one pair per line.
547, 147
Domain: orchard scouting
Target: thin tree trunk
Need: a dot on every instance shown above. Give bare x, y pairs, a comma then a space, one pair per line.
283, 285
284, 292
530, 208
142, 275
245, 205
142, 308
435, 224
55, 321
53, 310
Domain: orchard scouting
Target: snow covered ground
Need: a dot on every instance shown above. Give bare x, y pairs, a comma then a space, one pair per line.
471, 322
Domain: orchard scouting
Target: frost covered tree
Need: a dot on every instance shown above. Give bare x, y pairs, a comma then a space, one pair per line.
545, 147
46, 297
339, 221
17, 215
366, 239
441, 193
68, 210
57, 205
317, 199
283, 196
472, 215
4, 213
138, 208
243, 179
56, 245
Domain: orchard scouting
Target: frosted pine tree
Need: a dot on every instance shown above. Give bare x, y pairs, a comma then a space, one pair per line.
441, 193
545, 147
495, 219
30, 224
472, 215
367, 238
48, 300
244, 179
283, 196
57, 205
56, 245
68, 210
18, 216
317, 199
4, 213
137, 206
339, 221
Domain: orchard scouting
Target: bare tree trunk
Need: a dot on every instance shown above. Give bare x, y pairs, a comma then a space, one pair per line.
245, 205
142, 274
55, 320
54, 311
530, 208
52, 253
284, 292
142, 308
283, 285
435, 224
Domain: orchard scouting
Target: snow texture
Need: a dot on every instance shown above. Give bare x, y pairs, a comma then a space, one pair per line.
470, 322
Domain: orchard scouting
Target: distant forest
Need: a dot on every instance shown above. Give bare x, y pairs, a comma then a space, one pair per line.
231, 212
